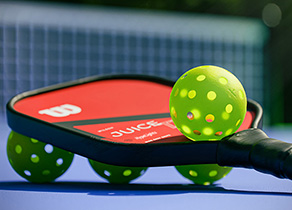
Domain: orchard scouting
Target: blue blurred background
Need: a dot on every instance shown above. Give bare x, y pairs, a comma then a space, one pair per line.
44, 43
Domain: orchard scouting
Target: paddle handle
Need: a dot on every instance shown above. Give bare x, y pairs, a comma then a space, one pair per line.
252, 148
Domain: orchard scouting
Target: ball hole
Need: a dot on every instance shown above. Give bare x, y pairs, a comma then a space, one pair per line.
193, 173
34, 158
49, 148
46, 172
225, 116
127, 172
192, 94
207, 131
10, 161
176, 92
196, 113
183, 93
18, 149
197, 132
213, 173
228, 132
237, 123
201, 78
223, 80
241, 94
229, 108
173, 112
186, 129
211, 95
210, 118
59, 162
34, 140
27, 173
107, 173
190, 116
10, 135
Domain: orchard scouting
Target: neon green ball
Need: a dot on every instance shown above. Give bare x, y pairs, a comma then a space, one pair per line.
204, 174
36, 161
117, 174
207, 103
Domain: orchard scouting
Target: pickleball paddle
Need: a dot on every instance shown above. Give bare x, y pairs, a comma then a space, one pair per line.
124, 120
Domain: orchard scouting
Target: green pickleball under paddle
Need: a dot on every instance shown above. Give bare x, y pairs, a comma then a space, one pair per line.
117, 174
203, 174
36, 161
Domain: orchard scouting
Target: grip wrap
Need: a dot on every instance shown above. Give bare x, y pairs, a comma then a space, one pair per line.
252, 148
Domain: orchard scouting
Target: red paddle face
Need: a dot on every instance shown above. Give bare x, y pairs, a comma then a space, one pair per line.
117, 110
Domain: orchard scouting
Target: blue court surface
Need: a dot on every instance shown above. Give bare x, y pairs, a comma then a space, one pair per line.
158, 188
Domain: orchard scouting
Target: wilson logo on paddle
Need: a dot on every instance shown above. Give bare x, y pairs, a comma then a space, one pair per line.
61, 111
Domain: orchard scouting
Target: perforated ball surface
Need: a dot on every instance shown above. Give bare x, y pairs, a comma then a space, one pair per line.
117, 174
203, 174
36, 161
207, 103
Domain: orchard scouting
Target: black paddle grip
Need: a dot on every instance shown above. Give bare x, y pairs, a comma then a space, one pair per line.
252, 148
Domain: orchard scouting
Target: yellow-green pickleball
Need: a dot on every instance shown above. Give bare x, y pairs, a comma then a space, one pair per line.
207, 103
117, 174
36, 161
203, 174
